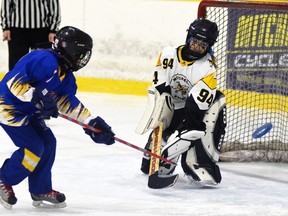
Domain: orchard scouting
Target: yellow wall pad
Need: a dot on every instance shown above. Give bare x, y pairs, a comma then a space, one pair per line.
274, 102
112, 86
88, 84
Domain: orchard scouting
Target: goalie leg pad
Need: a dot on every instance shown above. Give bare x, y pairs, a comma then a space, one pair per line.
175, 147
166, 168
215, 120
172, 150
145, 165
177, 143
198, 165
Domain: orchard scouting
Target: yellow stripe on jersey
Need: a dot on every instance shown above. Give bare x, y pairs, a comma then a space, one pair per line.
30, 160
61, 74
79, 112
210, 81
18, 88
7, 115
159, 60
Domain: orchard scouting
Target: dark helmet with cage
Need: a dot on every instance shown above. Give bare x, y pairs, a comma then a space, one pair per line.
201, 36
74, 47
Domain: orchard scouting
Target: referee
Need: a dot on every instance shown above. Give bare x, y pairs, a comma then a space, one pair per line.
28, 24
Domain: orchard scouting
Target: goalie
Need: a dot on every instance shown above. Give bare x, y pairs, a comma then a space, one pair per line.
184, 97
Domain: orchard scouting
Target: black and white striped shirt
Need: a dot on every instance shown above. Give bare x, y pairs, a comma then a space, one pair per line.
30, 14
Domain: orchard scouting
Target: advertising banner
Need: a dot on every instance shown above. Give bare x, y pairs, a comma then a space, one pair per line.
257, 46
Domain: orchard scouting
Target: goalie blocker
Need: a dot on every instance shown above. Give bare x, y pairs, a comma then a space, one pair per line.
200, 150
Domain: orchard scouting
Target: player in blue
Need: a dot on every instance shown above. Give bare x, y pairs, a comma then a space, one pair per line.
41, 84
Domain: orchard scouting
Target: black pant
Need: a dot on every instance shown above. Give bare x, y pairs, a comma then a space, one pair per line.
22, 40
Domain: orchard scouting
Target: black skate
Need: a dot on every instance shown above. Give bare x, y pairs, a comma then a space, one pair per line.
7, 196
53, 199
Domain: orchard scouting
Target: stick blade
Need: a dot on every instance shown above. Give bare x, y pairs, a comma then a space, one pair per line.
158, 182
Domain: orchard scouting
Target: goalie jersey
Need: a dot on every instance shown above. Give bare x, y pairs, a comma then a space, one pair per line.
17, 86
195, 79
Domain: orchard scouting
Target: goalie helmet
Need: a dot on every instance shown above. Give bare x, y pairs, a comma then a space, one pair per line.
201, 36
74, 46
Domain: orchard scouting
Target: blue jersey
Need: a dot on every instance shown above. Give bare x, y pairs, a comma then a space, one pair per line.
38, 69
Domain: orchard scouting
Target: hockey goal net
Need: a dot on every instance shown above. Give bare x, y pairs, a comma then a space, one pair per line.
252, 56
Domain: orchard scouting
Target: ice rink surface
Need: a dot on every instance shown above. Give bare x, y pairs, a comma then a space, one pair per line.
106, 180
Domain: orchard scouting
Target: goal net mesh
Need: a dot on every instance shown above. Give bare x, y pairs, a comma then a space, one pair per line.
252, 58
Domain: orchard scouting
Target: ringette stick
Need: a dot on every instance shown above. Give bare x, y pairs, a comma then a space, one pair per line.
116, 138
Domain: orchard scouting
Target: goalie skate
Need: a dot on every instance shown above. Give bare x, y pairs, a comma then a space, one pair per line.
53, 199
204, 183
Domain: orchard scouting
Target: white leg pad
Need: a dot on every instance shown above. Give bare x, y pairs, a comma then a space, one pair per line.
175, 147
210, 118
202, 173
178, 142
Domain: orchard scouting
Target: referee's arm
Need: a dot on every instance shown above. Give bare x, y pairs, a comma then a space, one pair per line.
55, 15
5, 14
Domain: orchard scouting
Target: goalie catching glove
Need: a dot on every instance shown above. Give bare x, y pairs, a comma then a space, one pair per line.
105, 135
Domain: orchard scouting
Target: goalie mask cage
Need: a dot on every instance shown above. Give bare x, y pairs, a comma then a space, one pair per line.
252, 58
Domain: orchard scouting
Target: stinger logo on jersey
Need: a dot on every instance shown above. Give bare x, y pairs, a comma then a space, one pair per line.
180, 87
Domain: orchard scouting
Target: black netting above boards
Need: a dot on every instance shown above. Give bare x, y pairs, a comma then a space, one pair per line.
252, 58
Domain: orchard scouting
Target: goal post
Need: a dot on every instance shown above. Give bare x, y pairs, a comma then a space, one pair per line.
252, 58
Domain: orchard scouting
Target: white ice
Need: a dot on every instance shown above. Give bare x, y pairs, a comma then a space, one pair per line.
106, 180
